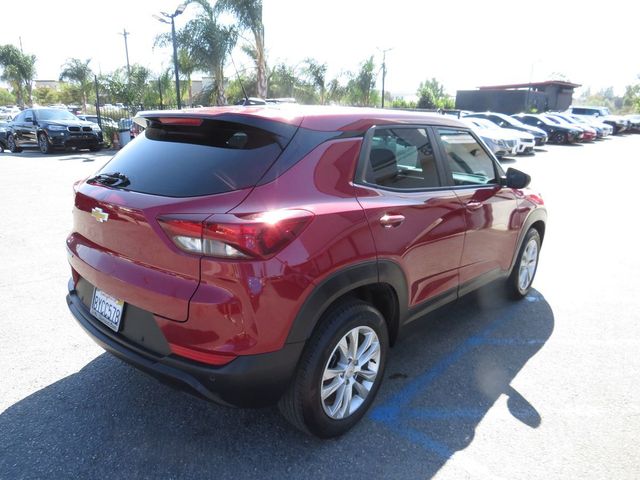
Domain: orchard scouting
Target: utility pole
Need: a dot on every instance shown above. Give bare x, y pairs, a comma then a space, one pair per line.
125, 34
20, 38
169, 18
384, 70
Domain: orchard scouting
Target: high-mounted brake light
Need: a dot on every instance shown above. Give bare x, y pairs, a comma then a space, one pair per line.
259, 235
195, 122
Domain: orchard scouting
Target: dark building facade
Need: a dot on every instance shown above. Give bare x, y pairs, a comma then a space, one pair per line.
517, 98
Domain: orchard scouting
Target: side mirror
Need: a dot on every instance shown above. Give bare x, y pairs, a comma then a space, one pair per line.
516, 179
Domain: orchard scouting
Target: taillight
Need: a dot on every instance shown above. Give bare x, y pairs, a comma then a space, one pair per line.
237, 236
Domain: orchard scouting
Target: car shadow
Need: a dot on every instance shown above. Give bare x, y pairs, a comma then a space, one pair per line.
110, 420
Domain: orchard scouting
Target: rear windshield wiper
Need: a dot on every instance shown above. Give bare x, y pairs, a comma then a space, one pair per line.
115, 179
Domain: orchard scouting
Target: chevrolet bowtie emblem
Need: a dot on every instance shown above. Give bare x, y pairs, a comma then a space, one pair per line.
99, 215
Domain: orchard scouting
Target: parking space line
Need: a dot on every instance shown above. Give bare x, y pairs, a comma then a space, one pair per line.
397, 415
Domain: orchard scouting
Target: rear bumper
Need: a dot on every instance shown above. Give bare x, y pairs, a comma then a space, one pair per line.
248, 381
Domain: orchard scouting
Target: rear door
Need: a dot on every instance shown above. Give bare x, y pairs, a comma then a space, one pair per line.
416, 221
490, 210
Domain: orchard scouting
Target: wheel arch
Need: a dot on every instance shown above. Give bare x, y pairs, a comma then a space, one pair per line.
536, 219
380, 283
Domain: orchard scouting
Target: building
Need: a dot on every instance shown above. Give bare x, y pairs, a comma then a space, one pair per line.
53, 84
517, 98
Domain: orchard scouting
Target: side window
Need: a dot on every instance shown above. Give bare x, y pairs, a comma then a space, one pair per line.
19, 118
467, 160
401, 158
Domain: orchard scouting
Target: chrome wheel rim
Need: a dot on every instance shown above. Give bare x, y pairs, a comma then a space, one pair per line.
528, 264
42, 141
350, 373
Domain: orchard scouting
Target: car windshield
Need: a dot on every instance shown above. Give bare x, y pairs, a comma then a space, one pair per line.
513, 121
483, 123
555, 120
54, 114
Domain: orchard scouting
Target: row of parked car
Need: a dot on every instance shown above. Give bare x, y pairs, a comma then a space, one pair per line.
505, 135
518, 134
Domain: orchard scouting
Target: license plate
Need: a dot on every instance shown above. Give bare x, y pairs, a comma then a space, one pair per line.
107, 309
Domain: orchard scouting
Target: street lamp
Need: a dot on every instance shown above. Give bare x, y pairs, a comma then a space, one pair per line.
169, 19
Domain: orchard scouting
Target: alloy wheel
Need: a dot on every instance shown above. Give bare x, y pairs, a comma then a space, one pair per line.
528, 264
350, 372
42, 143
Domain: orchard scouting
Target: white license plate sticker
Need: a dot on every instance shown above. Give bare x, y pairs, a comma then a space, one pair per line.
107, 309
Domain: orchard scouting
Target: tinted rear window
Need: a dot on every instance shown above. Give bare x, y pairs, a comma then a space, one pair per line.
190, 161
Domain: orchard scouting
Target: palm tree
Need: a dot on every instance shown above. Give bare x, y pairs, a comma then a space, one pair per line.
249, 16
79, 72
316, 74
208, 44
186, 65
18, 70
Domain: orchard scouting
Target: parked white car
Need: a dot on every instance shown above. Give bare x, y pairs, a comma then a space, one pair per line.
502, 141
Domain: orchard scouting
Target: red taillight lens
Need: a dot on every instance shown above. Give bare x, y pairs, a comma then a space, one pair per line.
233, 236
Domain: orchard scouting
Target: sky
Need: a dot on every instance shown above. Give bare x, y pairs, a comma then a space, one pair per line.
464, 44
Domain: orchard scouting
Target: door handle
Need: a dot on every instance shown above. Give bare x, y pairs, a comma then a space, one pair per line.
389, 221
473, 205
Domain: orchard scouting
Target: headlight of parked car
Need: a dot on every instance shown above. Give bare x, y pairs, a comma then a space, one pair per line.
56, 128
96, 128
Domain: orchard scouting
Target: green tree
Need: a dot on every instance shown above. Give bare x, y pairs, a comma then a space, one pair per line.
131, 89
79, 73
208, 44
248, 13
315, 74
45, 96
18, 70
186, 67
234, 90
6, 97
361, 86
282, 81
631, 98
336, 92
431, 95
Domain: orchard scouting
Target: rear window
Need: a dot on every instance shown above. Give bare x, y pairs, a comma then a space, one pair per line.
190, 161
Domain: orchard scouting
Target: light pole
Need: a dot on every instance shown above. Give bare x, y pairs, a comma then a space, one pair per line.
384, 70
170, 18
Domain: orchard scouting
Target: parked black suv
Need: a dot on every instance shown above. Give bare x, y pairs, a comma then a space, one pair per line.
49, 128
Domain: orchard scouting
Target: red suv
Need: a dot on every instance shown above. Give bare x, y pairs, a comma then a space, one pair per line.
255, 255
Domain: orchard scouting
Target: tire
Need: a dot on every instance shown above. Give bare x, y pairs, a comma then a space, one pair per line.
327, 355
11, 145
1, 148
524, 270
43, 143
559, 138
96, 148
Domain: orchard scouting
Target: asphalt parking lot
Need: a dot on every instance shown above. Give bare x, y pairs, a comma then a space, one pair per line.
546, 388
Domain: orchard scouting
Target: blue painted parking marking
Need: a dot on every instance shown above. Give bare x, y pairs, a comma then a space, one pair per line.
397, 414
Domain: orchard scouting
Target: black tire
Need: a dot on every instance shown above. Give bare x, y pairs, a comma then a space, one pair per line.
302, 405
515, 288
11, 145
1, 148
43, 143
559, 138
96, 148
